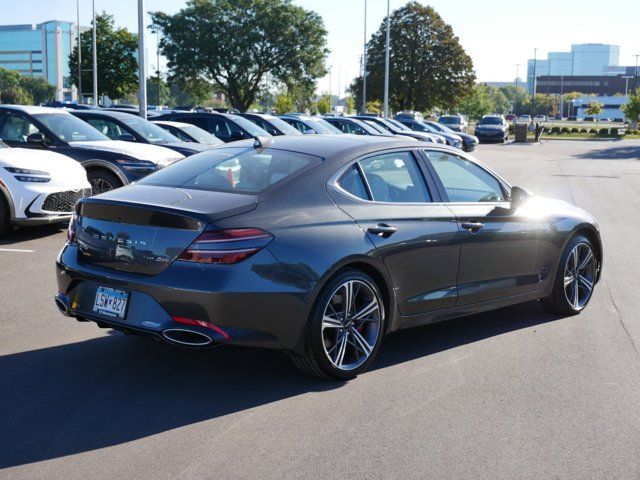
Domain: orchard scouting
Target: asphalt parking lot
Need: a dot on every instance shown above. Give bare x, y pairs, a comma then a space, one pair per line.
515, 393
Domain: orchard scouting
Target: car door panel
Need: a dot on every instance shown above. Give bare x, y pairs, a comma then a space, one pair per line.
420, 251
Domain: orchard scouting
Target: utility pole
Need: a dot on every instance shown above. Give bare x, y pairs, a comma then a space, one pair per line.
533, 95
515, 92
157, 32
364, 63
142, 77
79, 53
386, 63
635, 81
626, 84
95, 58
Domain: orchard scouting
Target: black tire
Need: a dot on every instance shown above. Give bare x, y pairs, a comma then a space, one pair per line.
5, 218
315, 361
557, 302
102, 181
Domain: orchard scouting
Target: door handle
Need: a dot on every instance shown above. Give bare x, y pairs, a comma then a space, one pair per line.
383, 230
472, 226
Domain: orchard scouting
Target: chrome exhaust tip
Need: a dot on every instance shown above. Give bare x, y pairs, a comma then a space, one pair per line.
61, 303
188, 338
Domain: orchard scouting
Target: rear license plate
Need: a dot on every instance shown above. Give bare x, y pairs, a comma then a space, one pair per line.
111, 302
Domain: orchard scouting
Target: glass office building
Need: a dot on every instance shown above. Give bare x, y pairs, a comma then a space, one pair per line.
40, 50
586, 59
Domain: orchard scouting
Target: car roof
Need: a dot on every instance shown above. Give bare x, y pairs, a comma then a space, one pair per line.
171, 123
266, 116
32, 110
102, 113
177, 114
328, 146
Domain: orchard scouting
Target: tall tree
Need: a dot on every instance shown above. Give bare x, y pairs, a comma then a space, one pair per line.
233, 44
40, 90
632, 108
428, 66
117, 61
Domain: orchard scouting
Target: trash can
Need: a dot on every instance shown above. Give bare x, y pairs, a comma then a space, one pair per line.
521, 133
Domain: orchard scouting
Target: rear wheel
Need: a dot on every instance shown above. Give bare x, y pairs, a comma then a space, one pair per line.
345, 328
5, 225
575, 278
102, 181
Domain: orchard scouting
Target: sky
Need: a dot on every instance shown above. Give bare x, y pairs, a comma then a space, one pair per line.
497, 34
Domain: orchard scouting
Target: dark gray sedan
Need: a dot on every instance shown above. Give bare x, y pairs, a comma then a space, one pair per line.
319, 246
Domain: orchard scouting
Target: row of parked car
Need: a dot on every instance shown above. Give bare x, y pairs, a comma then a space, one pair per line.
52, 157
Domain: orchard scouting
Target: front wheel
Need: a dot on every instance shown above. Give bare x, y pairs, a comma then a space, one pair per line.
5, 225
345, 328
102, 181
575, 278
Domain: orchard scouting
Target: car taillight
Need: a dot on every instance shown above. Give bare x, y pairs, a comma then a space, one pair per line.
71, 230
226, 246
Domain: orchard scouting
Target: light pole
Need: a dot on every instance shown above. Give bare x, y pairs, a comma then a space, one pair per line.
364, 63
533, 95
626, 84
142, 91
515, 92
79, 53
386, 63
155, 29
95, 58
635, 74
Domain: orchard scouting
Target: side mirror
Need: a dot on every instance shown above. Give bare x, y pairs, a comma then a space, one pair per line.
308, 131
519, 197
127, 137
37, 139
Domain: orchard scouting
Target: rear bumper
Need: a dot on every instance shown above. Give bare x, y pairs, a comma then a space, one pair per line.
252, 303
497, 135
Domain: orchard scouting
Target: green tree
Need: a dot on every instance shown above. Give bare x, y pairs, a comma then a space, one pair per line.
350, 104
632, 108
152, 91
594, 108
283, 104
374, 106
324, 104
478, 103
233, 44
428, 66
10, 89
38, 89
117, 63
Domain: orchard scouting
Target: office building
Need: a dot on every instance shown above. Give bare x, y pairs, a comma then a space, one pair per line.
40, 50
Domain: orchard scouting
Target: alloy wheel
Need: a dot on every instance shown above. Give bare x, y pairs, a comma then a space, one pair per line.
579, 275
351, 324
100, 185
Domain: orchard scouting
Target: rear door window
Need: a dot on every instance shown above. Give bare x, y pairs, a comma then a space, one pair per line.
395, 177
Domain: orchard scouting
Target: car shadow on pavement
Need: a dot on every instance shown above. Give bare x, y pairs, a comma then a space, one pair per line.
627, 152
84, 396
31, 233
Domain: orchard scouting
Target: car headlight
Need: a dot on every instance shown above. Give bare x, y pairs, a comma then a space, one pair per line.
137, 166
28, 175
165, 162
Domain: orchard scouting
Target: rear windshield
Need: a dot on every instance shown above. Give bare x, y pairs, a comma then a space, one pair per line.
452, 120
231, 169
491, 121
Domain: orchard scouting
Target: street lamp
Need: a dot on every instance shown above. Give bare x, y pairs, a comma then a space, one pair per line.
626, 84
533, 96
364, 63
156, 29
142, 92
515, 92
386, 63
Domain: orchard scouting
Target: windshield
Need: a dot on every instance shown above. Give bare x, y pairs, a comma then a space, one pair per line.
250, 127
321, 126
366, 127
385, 128
69, 128
440, 128
400, 126
201, 136
231, 169
150, 131
491, 121
283, 126
450, 120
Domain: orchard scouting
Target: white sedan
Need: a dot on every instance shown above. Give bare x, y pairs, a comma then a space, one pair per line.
38, 187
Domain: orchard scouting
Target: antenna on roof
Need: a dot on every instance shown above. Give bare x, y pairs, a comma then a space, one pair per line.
261, 142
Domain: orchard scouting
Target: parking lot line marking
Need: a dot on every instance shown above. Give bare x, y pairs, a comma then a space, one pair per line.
16, 250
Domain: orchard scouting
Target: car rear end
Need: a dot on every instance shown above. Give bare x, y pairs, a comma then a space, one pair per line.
173, 257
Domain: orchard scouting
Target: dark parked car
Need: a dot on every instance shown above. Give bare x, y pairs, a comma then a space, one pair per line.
469, 142
109, 163
354, 126
227, 127
188, 133
310, 125
451, 139
132, 128
394, 127
319, 245
492, 128
270, 123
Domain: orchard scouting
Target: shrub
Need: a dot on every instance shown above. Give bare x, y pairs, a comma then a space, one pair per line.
593, 131
575, 130
584, 130
555, 129
604, 132
614, 132
564, 130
